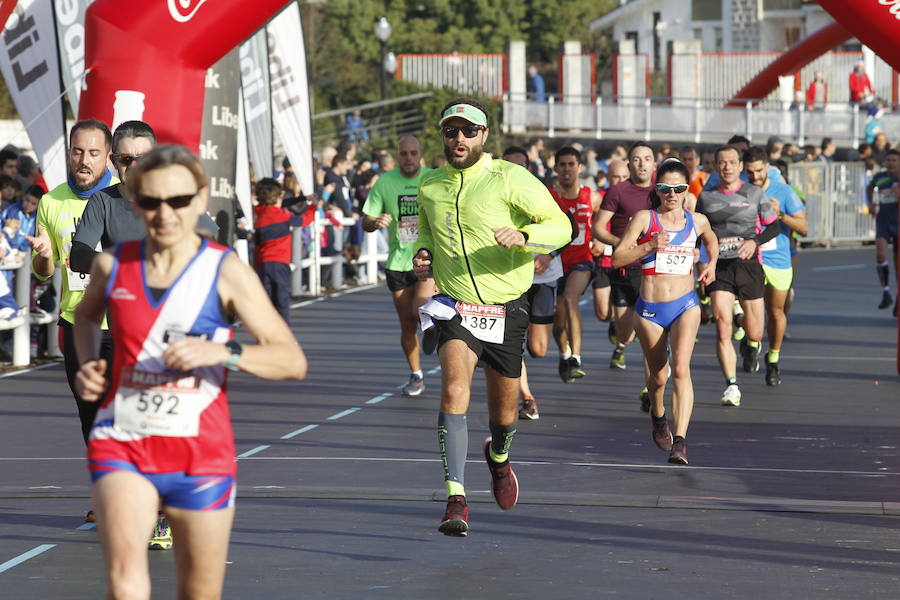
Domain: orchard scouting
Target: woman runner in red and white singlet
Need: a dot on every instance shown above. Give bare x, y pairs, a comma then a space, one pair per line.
664, 240
163, 430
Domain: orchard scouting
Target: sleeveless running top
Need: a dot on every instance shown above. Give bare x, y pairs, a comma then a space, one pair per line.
580, 210
159, 420
678, 256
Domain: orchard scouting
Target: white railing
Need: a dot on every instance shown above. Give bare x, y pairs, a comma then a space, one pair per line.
678, 118
313, 272
21, 348
835, 201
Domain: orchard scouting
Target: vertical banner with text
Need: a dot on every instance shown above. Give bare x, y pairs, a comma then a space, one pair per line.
218, 140
70, 38
30, 67
290, 92
257, 102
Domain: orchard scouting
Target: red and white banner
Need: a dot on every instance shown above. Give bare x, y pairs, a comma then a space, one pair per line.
30, 67
148, 60
290, 92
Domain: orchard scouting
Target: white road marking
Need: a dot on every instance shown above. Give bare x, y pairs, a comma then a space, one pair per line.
378, 399
298, 432
840, 267
252, 452
30, 369
25, 556
343, 414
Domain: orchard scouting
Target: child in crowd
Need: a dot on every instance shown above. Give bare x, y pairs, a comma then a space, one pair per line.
273, 241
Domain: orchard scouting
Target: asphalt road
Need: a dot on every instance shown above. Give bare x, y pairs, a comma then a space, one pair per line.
792, 495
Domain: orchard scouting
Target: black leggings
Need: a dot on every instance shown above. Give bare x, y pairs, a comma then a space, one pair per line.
87, 411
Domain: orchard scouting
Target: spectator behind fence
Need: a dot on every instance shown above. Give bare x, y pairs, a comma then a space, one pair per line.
861, 92
30, 173
827, 150
817, 93
535, 85
356, 128
880, 147
873, 123
272, 238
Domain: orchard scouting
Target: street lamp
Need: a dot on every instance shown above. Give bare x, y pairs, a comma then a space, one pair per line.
383, 32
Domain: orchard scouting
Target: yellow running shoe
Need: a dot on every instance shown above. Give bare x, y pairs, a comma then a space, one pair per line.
162, 535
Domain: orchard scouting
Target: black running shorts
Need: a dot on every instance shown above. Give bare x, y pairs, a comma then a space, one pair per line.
626, 285
542, 298
399, 280
505, 358
602, 278
743, 278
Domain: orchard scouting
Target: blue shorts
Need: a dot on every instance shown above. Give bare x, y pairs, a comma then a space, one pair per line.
665, 313
886, 222
180, 490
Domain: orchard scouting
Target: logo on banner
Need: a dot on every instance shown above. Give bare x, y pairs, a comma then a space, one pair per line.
181, 10
894, 7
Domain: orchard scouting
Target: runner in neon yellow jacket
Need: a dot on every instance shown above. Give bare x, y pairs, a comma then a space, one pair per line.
458, 212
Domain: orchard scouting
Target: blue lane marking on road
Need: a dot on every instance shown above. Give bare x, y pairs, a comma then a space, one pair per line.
839, 268
378, 399
434, 370
23, 557
342, 414
252, 452
298, 432
86, 526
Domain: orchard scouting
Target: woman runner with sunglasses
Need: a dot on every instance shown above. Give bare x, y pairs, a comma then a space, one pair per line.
163, 431
664, 239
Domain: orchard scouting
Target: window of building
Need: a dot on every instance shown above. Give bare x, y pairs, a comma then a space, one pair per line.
706, 10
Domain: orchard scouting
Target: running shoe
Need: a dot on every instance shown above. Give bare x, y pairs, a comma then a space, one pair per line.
678, 456
645, 400
563, 370
415, 386
162, 535
732, 396
750, 356
504, 485
575, 369
706, 312
737, 323
661, 434
611, 334
617, 361
773, 376
456, 518
90, 517
529, 409
886, 300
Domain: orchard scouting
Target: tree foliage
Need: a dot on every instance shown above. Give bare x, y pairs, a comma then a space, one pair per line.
345, 55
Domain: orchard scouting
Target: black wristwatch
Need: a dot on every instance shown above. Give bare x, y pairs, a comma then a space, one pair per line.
236, 349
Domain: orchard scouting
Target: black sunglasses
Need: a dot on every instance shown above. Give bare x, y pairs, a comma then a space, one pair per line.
469, 131
175, 202
125, 159
678, 188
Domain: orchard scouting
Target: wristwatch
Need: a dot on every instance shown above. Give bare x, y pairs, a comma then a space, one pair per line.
235, 349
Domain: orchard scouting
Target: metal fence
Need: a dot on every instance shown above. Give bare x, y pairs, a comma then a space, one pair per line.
835, 201
469, 73
689, 120
721, 75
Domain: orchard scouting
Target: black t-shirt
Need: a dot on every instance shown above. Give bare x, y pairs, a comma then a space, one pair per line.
107, 219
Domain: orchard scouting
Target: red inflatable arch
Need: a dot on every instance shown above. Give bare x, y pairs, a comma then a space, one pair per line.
147, 60
876, 23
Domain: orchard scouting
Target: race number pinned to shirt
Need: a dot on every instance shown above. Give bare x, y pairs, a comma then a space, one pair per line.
408, 226
728, 246
675, 260
78, 282
487, 322
163, 404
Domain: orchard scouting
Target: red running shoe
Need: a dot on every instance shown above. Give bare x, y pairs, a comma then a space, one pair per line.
456, 519
504, 485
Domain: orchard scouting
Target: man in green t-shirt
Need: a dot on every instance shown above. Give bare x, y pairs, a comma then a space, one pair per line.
59, 212
393, 203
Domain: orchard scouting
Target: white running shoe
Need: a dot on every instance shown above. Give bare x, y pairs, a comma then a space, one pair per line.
732, 396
